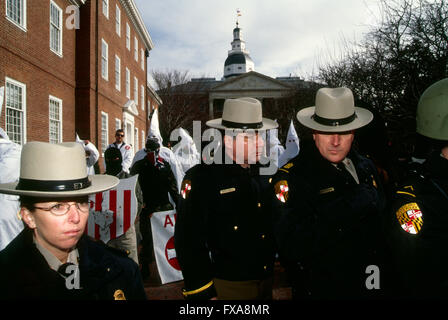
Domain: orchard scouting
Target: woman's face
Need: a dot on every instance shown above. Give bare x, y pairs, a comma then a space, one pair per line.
57, 233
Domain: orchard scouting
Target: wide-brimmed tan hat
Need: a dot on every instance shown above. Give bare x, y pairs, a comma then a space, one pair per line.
242, 114
56, 170
334, 111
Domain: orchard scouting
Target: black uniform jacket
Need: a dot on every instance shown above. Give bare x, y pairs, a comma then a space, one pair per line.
223, 229
105, 274
418, 231
156, 183
328, 227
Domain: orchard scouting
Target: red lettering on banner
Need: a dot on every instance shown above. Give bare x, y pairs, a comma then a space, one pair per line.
127, 210
168, 221
113, 207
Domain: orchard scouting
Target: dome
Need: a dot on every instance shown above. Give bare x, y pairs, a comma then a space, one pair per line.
237, 58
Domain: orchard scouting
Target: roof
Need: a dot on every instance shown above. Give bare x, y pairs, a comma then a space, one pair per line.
136, 19
237, 58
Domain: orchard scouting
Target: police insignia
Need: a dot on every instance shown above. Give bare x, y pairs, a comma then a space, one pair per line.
119, 295
281, 190
185, 188
410, 218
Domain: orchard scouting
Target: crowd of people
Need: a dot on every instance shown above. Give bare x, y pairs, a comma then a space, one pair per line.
329, 215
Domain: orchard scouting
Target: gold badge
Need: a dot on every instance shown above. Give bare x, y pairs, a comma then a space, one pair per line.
410, 218
185, 188
119, 295
281, 190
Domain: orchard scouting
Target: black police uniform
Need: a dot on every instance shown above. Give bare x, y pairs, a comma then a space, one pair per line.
418, 230
223, 230
328, 227
105, 273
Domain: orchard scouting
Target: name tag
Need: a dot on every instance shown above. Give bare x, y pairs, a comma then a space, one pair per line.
324, 191
224, 191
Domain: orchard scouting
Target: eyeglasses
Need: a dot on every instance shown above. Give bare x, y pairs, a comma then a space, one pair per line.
119, 135
60, 209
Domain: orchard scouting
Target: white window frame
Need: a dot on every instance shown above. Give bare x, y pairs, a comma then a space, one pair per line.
22, 110
143, 139
59, 102
142, 96
142, 57
136, 142
117, 20
104, 60
117, 124
136, 90
23, 15
117, 73
128, 83
59, 27
136, 49
104, 132
105, 8
128, 37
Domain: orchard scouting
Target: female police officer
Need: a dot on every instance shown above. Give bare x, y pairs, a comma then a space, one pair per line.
52, 258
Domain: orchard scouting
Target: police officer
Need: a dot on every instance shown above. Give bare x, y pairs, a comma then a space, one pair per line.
125, 149
52, 258
419, 213
223, 235
328, 203
157, 183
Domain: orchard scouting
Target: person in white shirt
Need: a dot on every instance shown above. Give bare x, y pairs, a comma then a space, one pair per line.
10, 223
125, 149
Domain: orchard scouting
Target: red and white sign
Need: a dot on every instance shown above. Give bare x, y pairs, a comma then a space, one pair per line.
162, 225
114, 211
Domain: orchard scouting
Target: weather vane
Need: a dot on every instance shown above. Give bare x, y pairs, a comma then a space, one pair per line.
238, 14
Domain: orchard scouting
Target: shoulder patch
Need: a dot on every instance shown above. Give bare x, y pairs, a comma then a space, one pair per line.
281, 190
410, 218
185, 188
127, 147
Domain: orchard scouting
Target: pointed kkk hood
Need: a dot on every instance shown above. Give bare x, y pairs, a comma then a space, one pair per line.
292, 146
154, 129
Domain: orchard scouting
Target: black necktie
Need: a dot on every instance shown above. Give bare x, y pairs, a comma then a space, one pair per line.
62, 270
341, 167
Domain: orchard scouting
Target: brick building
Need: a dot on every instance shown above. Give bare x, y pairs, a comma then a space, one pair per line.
74, 66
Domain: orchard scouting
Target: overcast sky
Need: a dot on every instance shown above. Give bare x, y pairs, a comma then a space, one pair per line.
283, 36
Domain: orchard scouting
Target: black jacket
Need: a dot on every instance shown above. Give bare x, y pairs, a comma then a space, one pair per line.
328, 227
156, 183
223, 229
104, 273
418, 230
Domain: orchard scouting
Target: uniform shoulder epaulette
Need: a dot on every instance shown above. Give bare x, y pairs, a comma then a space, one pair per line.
287, 167
118, 252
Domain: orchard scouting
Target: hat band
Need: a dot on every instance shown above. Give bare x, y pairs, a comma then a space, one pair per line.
334, 122
239, 125
53, 185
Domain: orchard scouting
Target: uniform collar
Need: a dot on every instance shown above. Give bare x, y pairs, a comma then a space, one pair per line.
53, 262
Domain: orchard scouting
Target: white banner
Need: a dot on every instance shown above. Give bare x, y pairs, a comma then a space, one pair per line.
162, 225
114, 211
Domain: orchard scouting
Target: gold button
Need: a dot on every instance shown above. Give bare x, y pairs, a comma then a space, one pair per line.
235, 228
270, 180
265, 267
263, 236
259, 205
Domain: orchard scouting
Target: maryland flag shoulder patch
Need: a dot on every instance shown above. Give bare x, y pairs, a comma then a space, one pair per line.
281, 190
410, 218
185, 188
